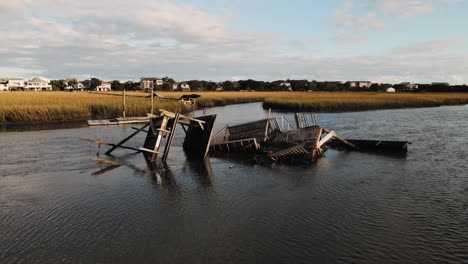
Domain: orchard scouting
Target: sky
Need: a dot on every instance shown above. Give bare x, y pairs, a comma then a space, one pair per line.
378, 40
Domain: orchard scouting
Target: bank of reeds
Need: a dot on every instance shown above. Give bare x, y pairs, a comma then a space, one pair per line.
36, 107
360, 101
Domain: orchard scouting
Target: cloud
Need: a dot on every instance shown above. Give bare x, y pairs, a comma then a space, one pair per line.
430, 47
407, 8
141, 36
117, 39
356, 17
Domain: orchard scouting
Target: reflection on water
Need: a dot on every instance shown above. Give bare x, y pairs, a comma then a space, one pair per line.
58, 206
42, 126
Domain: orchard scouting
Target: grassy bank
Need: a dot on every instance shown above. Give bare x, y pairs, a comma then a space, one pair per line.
353, 101
35, 107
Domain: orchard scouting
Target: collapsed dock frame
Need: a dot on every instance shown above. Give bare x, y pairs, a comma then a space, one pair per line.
163, 127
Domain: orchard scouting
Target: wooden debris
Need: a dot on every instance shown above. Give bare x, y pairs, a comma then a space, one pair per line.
107, 162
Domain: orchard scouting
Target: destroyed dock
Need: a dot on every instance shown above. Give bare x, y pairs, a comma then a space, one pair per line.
273, 143
268, 140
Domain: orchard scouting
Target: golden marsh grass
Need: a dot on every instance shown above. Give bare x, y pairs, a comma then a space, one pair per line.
31, 107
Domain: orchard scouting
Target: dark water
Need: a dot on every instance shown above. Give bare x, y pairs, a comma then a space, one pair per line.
347, 208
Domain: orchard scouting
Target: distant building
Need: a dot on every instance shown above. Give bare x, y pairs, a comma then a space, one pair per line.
219, 89
104, 87
359, 84
38, 84
408, 86
149, 84
181, 87
390, 90
15, 84
79, 86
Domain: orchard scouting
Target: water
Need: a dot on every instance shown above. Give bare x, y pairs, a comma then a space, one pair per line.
57, 206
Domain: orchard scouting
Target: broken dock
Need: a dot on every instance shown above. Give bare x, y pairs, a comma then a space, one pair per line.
269, 140
161, 128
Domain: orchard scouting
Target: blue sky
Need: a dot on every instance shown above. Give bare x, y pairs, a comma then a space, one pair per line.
377, 40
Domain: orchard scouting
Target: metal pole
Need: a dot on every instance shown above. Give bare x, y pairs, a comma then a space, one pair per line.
123, 94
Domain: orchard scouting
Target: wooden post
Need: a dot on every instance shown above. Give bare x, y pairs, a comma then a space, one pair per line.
152, 101
170, 138
268, 122
123, 94
162, 131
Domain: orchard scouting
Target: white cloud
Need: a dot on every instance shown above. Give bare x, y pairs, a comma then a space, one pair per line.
407, 8
430, 47
356, 17
125, 40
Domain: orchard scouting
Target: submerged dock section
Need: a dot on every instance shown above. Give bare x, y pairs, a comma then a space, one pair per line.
304, 140
160, 131
274, 142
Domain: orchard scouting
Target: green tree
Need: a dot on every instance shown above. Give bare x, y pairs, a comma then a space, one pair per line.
117, 86
72, 82
93, 83
57, 85
168, 80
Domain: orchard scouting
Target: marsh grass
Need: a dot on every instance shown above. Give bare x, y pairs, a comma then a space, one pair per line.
360, 101
36, 107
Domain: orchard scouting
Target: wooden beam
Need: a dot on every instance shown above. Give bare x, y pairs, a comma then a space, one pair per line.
141, 130
125, 140
325, 139
148, 150
172, 115
342, 140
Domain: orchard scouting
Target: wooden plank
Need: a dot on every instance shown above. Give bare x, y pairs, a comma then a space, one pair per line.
172, 115
148, 150
342, 140
325, 139
125, 140
108, 162
285, 152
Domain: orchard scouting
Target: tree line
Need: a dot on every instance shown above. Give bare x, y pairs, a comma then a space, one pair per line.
254, 85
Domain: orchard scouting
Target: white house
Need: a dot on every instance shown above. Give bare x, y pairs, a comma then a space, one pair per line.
391, 90
15, 84
359, 84
104, 87
149, 84
38, 84
79, 86
409, 86
183, 87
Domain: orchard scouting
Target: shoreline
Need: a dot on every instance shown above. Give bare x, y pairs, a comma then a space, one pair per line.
58, 107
